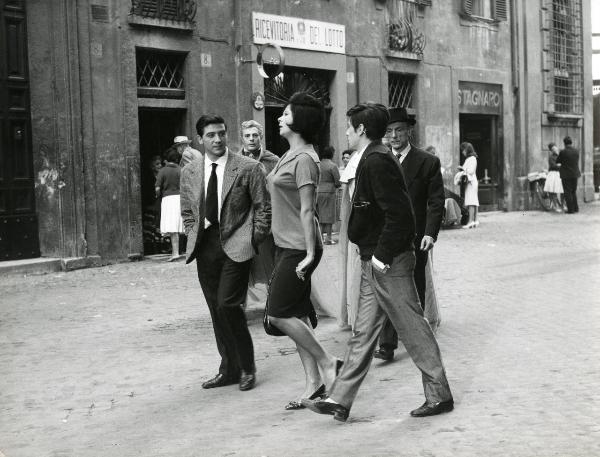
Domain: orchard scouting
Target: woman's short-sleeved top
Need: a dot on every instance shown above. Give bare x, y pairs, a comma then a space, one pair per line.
294, 170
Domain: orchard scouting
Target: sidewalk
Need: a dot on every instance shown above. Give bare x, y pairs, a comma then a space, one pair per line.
109, 361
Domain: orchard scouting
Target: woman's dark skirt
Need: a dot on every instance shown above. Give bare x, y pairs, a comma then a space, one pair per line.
289, 296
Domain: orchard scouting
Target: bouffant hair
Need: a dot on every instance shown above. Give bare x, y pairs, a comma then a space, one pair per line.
308, 116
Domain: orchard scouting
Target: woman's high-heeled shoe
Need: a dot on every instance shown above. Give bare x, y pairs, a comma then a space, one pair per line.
296, 404
469, 225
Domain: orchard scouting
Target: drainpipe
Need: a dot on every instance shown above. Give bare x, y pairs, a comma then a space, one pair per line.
519, 96
237, 43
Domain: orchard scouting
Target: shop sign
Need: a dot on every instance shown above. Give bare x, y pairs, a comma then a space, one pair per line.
293, 32
479, 98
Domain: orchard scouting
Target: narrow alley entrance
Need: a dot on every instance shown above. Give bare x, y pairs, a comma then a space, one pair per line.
158, 128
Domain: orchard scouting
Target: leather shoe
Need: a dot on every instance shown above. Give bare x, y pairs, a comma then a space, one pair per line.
431, 409
339, 412
219, 380
384, 354
247, 380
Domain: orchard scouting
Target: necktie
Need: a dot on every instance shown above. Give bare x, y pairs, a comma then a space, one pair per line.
212, 199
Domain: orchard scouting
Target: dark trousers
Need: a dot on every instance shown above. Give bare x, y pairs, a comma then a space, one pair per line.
388, 338
225, 284
570, 188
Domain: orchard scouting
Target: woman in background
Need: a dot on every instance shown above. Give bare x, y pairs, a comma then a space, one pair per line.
471, 190
553, 183
293, 188
326, 193
167, 188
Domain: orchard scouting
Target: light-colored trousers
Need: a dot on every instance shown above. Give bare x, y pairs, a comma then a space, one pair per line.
391, 295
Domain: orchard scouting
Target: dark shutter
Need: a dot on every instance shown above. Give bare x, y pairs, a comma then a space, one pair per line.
500, 10
468, 7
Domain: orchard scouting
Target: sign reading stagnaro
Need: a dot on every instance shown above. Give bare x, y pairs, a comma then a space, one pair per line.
479, 98
293, 32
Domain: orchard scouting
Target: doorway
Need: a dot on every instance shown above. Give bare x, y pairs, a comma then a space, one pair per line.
281, 88
157, 128
482, 132
19, 238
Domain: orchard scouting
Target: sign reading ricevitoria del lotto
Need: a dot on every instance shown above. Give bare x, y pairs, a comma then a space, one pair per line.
293, 32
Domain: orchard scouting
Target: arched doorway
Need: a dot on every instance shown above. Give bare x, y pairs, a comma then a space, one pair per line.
281, 88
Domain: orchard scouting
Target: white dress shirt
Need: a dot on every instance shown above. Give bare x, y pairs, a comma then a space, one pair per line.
220, 171
349, 174
402, 154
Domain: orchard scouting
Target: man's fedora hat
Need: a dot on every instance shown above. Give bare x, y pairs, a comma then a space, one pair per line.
181, 140
400, 115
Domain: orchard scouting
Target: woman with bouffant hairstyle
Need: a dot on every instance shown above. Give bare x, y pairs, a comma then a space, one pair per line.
471, 190
299, 247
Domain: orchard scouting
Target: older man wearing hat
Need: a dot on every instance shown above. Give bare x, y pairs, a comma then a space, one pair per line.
187, 153
422, 172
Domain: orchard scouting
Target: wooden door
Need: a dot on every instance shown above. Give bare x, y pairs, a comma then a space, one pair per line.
18, 220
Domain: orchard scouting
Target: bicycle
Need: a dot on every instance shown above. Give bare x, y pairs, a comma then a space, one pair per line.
537, 179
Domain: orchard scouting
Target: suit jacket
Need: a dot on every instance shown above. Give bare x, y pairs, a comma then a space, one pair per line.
266, 158
381, 222
423, 175
569, 163
245, 217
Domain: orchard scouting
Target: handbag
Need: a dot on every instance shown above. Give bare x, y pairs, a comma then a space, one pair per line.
272, 330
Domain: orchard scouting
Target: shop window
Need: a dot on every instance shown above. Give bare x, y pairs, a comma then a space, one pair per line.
172, 10
494, 10
400, 90
160, 74
404, 23
563, 59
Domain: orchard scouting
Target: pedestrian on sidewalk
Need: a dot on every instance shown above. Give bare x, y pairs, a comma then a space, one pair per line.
293, 187
382, 224
227, 213
469, 167
423, 178
568, 158
329, 182
252, 134
350, 252
553, 184
167, 188
186, 152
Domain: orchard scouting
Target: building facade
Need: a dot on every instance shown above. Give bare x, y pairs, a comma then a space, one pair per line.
96, 88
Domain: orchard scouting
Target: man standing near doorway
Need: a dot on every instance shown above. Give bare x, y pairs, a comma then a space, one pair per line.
423, 176
568, 158
184, 149
226, 214
252, 134
382, 225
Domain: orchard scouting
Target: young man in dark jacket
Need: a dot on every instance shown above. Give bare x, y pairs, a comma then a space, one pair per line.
382, 224
568, 158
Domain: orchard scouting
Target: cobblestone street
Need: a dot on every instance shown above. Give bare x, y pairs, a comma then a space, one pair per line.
109, 361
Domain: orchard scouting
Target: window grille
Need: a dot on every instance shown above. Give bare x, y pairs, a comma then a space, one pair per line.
174, 10
160, 74
564, 57
400, 90
403, 27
